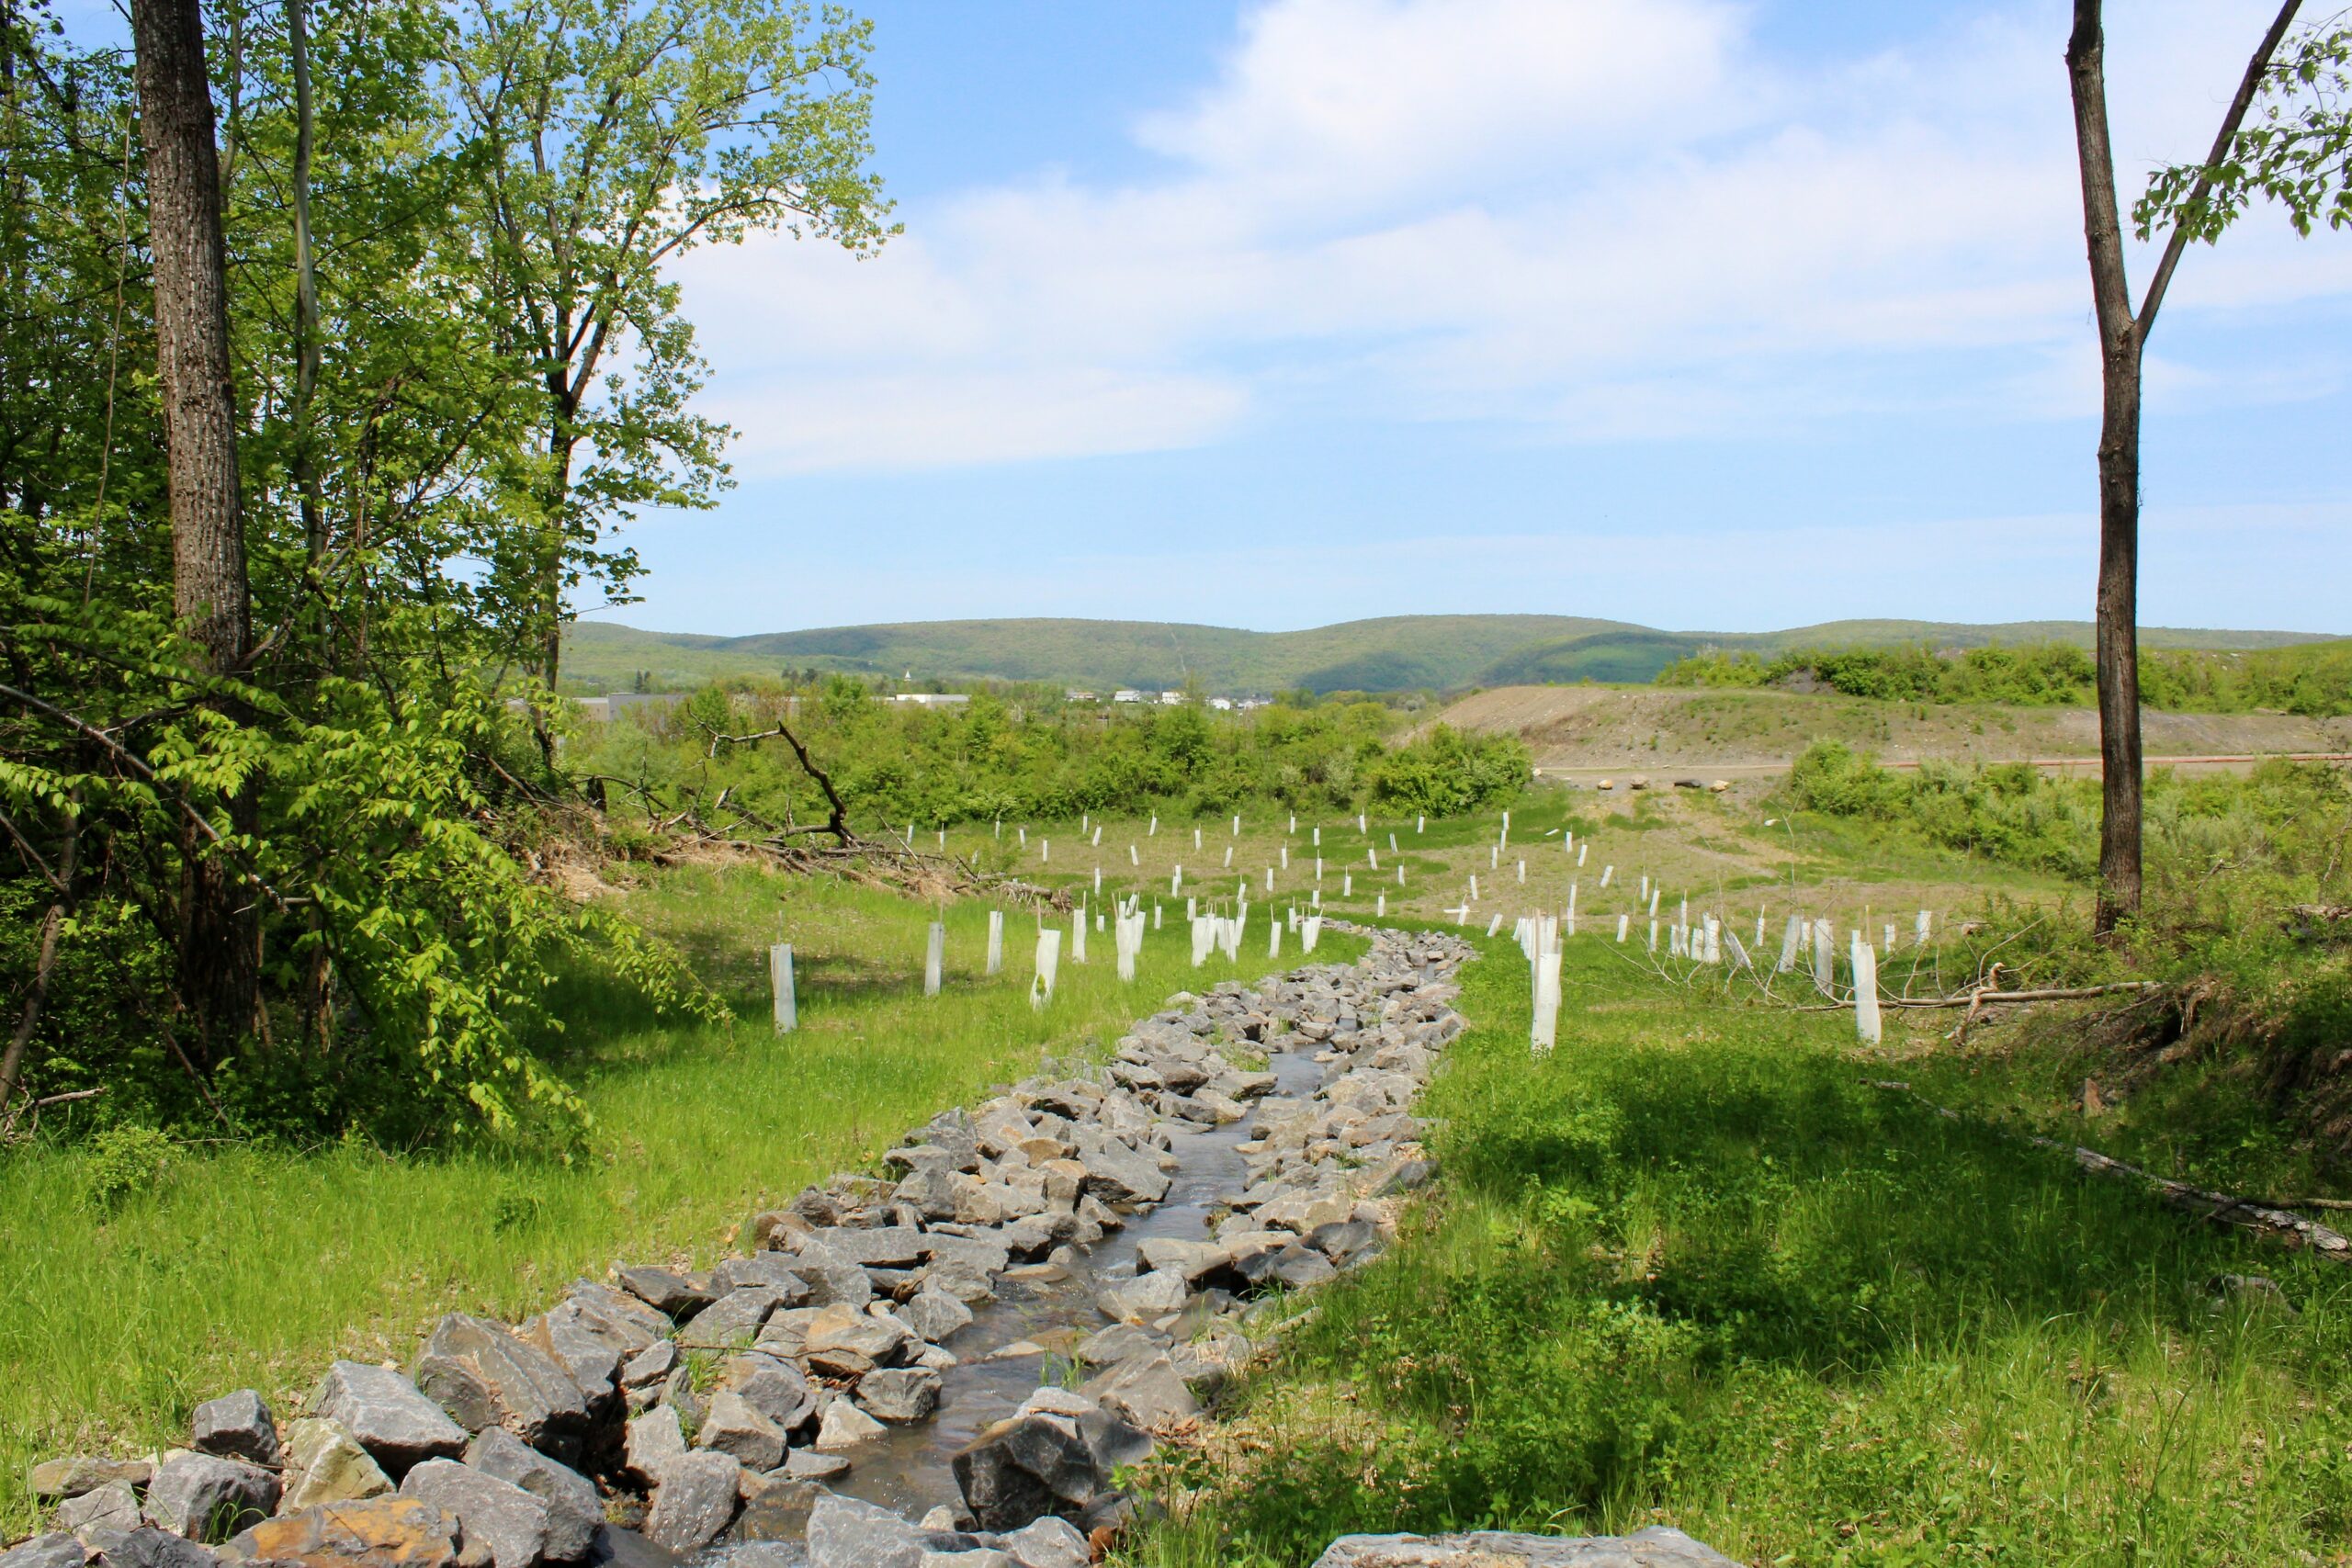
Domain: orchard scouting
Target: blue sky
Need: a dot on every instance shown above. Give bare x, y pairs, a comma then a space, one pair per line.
1723, 314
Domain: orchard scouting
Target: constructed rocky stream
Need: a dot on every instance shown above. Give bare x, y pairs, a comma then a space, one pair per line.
946, 1366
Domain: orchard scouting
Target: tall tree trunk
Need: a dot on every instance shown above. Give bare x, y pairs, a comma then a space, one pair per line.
2123, 341
219, 937
306, 287
2118, 481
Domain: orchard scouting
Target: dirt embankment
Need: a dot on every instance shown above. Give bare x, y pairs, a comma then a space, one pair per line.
1573, 729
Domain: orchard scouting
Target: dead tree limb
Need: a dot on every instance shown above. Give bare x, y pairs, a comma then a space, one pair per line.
2221, 1207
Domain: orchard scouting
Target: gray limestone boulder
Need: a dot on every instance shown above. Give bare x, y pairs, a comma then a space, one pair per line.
77, 1474
694, 1502
1656, 1546
114, 1506
1019, 1469
848, 1532
732, 1427
204, 1497
774, 1387
236, 1425
732, 1321
484, 1376
1118, 1175
1148, 1391
150, 1548
497, 1514
1047, 1543
671, 1294
1145, 1298
45, 1552
574, 1511
762, 1269
388, 1416
654, 1439
935, 1315
899, 1394
324, 1463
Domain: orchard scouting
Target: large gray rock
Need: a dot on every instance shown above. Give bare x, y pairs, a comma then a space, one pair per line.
1292, 1267
114, 1506
935, 1315
151, 1548
776, 1389
1120, 1342
325, 1463
654, 1439
384, 1412
673, 1295
762, 1269
494, 1513
844, 1426
899, 1394
77, 1474
847, 1343
484, 1376
1146, 1390
236, 1425
1019, 1469
203, 1497
1047, 1543
574, 1511
1656, 1546
848, 1532
880, 1247
46, 1551
1118, 1175
732, 1321
694, 1502
732, 1427
1145, 1298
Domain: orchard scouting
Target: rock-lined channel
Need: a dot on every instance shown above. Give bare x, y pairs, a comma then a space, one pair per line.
882, 1379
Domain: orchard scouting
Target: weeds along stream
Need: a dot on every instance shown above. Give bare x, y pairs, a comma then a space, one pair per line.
136, 1292
1693, 1270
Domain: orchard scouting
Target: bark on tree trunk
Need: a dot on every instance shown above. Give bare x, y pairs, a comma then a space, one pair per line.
218, 969
2118, 481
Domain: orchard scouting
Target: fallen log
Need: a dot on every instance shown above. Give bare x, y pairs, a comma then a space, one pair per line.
1986, 997
2221, 1207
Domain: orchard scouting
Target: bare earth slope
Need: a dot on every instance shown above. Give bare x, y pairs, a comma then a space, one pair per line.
1573, 729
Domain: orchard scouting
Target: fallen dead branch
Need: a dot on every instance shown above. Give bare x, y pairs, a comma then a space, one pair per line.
1982, 996
2221, 1207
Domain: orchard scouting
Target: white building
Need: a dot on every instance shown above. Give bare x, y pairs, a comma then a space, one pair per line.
1128, 694
1172, 699
932, 699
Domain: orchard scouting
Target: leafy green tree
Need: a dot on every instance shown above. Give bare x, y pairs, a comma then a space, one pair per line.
603, 138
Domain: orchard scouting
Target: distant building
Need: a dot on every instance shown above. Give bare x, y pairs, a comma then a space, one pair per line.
1172, 699
1222, 705
1074, 695
1251, 705
1129, 694
933, 699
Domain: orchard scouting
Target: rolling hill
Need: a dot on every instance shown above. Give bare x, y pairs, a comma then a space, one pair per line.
1388, 654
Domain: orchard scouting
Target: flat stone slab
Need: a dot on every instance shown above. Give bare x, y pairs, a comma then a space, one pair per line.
1656, 1546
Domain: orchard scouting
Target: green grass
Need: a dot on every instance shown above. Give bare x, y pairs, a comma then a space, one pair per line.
1694, 1269
134, 1295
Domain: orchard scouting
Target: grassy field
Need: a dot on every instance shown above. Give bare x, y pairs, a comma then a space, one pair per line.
1695, 1269
132, 1295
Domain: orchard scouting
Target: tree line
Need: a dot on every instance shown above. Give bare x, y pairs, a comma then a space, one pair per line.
336, 343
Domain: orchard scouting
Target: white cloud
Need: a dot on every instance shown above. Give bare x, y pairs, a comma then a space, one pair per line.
1597, 220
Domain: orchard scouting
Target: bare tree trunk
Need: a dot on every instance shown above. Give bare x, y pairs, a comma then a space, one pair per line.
306, 287
218, 969
2122, 340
